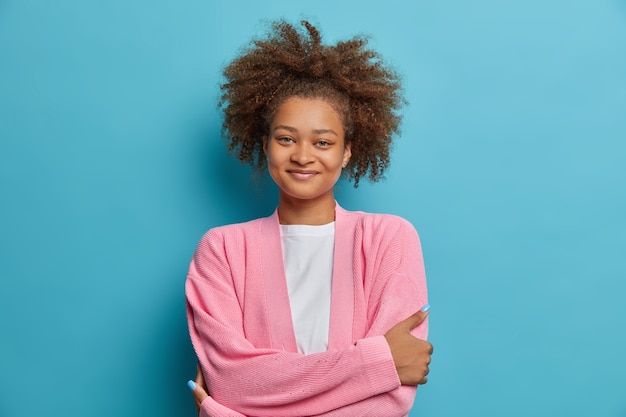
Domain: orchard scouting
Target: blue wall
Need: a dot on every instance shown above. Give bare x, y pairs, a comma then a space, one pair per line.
511, 164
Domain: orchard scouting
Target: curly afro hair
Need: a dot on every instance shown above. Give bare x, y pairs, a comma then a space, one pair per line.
293, 62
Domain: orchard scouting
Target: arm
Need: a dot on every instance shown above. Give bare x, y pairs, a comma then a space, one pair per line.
393, 298
358, 380
263, 381
393, 403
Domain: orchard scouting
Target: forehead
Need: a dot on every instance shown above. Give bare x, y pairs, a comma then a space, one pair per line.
316, 112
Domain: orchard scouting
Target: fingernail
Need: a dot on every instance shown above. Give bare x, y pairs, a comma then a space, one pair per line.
425, 308
191, 385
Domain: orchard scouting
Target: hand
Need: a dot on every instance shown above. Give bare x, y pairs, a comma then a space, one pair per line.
198, 387
410, 354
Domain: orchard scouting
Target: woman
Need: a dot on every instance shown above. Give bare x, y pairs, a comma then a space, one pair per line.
305, 312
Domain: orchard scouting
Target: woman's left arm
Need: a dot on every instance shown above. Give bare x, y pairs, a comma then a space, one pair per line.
398, 289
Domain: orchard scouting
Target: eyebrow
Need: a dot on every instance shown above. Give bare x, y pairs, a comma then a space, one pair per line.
316, 131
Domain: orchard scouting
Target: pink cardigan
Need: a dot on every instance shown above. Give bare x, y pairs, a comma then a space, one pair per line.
240, 321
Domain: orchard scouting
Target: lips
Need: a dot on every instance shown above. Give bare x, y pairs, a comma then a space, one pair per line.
301, 175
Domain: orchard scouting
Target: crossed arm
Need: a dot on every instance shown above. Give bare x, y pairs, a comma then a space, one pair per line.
377, 375
411, 359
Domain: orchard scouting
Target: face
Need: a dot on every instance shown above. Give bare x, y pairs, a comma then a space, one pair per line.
306, 149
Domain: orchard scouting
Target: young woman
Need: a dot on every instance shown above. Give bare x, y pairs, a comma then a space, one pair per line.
313, 310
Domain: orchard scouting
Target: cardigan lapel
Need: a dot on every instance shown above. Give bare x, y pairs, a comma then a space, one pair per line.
276, 295
280, 323
342, 297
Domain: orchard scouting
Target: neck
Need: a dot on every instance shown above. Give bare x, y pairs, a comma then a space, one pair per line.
308, 212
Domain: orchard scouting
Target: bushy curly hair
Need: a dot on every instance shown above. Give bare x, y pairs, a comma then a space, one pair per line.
293, 62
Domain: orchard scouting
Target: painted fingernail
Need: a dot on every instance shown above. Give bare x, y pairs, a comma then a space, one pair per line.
425, 308
191, 385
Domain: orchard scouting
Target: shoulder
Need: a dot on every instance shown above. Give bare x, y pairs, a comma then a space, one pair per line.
378, 223
235, 228
384, 241
236, 232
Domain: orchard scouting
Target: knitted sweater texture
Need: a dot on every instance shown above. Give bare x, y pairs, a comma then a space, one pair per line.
241, 329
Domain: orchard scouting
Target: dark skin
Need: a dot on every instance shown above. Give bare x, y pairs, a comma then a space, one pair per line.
411, 356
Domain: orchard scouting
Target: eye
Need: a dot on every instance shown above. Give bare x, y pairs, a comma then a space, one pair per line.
323, 144
285, 139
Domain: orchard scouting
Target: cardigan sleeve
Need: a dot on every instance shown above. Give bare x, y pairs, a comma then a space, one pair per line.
358, 380
211, 408
397, 289
270, 382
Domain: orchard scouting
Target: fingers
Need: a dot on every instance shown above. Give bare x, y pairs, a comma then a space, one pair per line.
415, 319
414, 373
198, 388
200, 377
199, 393
410, 355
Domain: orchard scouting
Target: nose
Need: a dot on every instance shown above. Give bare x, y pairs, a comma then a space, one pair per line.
302, 154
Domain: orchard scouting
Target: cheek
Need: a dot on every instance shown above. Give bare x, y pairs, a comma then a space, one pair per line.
272, 159
338, 159
272, 164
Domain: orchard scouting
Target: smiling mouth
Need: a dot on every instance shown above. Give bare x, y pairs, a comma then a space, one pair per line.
302, 175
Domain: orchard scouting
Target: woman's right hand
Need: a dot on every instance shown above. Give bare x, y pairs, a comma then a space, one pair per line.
198, 387
410, 354
212, 408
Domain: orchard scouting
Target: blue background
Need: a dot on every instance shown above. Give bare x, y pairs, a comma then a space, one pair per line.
511, 165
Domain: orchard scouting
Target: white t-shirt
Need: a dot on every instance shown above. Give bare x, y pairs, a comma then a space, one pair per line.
308, 257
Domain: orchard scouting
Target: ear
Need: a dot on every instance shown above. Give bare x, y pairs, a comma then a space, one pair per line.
347, 153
